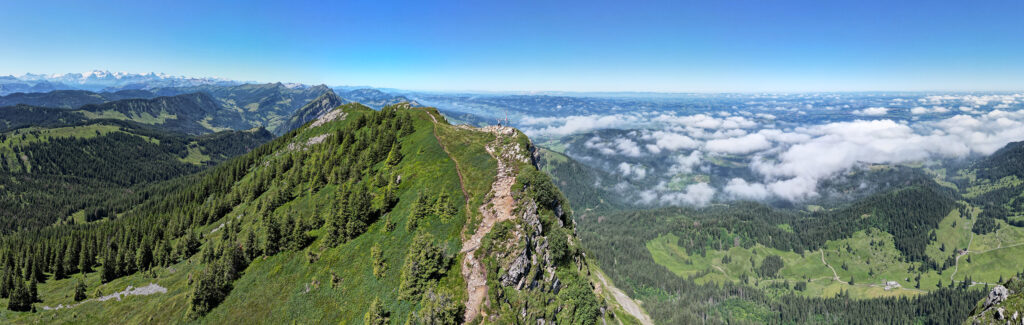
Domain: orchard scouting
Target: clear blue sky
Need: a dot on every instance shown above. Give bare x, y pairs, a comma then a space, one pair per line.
708, 46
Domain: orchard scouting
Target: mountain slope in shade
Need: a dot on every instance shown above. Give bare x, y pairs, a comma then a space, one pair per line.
17, 116
70, 98
313, 110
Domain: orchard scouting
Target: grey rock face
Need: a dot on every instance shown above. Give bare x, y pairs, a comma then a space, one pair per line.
519, 267
996, 296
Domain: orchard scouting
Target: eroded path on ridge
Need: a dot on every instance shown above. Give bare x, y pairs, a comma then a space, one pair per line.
497, 208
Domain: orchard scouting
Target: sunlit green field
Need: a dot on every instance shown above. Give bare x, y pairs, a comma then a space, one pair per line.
869, 258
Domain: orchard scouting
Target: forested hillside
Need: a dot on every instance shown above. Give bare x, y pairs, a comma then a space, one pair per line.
923, 248
90, 171
363, 216
71, 99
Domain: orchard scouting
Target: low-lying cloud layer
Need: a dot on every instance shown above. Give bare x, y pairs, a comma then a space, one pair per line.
790, 156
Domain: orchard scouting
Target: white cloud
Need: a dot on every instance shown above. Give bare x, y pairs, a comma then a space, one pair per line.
619, 146
872, 111
794, 189
740, 189
784, 137
707, 122
740, 145
836, 147
559, 126
670, 141
684, 164
924, 110
699, 194
634, 171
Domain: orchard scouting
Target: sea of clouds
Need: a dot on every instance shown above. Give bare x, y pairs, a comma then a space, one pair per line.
790, 157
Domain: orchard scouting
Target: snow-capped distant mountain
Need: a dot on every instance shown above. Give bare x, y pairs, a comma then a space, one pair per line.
101, 80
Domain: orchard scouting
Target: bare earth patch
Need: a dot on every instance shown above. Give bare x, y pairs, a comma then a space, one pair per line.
152, 288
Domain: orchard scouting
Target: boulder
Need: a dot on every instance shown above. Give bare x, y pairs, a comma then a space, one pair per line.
996, 296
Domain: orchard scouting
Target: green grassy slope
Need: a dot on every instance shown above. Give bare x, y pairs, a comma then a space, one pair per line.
320, 224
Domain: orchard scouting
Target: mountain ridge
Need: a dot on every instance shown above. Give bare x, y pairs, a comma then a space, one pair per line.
387, 208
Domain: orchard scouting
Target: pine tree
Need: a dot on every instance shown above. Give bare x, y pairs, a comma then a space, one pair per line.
71, 258
109, 271
58, 269
379, 266
419, 211
273, 241
297, 239
6, 285
375, 315
80, 289
144, 257
444, 208
33, 290
250, 245
423, 263
395, 155
85, 261
21, 299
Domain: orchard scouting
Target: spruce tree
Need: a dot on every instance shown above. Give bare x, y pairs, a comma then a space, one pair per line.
80, 289
58, 269
85, 260
375, 315
33, 290
21, 299
144, 257
273, 241
109, 271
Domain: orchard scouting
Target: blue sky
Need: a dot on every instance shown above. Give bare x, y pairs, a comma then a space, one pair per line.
677, 46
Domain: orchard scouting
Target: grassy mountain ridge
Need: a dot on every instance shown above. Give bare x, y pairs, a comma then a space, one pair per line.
360, 218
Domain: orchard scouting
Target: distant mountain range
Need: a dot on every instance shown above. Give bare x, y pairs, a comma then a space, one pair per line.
198, 109
99, 80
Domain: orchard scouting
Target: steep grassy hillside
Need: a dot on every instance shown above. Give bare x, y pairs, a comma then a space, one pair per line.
361, 216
